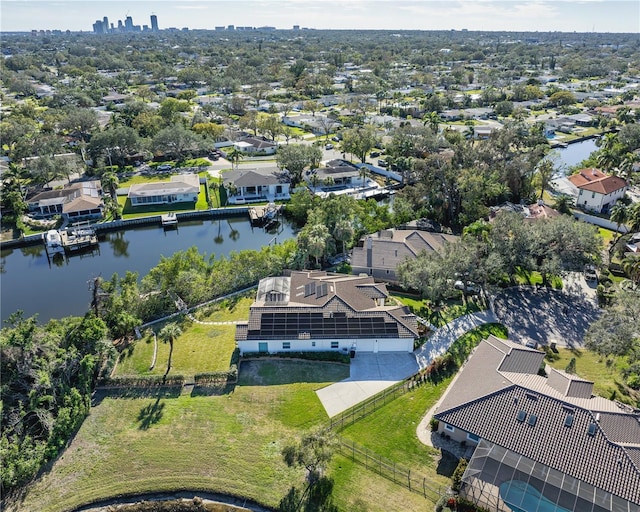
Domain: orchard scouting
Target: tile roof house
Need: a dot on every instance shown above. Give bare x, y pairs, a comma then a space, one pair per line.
379, 254
597, 191
321, 311
256, 185
541, 443
183, 188
83, 200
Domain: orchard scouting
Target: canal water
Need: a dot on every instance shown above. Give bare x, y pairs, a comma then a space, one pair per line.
31, 282
575, 153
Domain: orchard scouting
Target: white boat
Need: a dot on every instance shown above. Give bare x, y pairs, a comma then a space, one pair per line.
53, 242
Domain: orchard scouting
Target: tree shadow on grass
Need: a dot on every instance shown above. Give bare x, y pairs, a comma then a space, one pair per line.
150, 414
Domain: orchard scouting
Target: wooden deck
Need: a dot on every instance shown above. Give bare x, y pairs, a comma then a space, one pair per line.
74, 239
259, 215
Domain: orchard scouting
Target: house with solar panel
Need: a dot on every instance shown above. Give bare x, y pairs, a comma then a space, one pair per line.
321, 311
539, 443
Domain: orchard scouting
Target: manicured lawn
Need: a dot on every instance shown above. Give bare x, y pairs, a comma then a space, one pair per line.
452, 309
131, 212
391, 430
200, 348
607, 379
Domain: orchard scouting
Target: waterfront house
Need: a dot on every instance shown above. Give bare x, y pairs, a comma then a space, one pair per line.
597, 191
256, 185
82, 200
322, 311
539, 442
379, 254
183, 188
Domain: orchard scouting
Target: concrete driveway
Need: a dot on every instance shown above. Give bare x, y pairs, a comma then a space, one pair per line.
370, 373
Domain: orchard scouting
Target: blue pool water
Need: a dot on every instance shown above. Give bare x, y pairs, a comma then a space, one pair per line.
522, 497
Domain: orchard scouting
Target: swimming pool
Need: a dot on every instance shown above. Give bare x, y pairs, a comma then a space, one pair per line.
522, 497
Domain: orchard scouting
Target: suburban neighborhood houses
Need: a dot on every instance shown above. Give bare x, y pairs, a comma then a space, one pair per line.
414, 281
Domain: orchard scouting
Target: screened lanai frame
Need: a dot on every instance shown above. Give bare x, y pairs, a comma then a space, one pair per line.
495, 473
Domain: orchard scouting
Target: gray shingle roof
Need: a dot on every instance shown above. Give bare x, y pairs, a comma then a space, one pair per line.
254, 177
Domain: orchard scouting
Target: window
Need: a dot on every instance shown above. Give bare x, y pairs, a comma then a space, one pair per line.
522, 415
473, 437
568, 421
532, 420
593, 194
450, 428
313, 343
334, 344
286, 345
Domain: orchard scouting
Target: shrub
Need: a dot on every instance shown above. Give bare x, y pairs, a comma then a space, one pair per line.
456, 478
434, 423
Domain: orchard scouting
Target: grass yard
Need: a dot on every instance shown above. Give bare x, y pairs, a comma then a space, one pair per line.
229, 443
524, 277
131, 212
607, 378
452, 309
391, 430
200, 348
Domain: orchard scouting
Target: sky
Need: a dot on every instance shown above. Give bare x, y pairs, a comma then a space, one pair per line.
491, 15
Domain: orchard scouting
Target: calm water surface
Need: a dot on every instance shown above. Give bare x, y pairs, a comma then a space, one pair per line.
54, 290
33, 284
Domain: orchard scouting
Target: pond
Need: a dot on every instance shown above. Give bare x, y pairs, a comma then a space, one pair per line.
33, 283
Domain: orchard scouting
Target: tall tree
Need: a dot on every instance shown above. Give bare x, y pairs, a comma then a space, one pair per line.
169, 333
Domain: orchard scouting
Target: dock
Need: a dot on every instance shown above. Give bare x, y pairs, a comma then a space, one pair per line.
169, 220
77, 238
261, 215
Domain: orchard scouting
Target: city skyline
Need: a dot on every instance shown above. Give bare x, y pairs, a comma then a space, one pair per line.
486, 15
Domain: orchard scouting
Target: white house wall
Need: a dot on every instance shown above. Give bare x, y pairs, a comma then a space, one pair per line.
325, 345
594, 201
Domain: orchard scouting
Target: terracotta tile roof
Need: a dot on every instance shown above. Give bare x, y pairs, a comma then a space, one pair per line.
594, 180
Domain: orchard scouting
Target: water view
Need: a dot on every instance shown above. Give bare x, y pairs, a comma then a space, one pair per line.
575, 153
31, 282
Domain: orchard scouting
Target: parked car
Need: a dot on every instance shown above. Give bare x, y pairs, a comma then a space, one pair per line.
590, 273
471, 288
374, 154
382, 163
335, 138
329, 146
164, 167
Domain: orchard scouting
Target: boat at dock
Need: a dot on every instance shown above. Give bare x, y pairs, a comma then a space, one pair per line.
53, 242
264, 215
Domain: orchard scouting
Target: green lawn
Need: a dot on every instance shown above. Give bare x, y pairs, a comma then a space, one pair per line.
452, 309
607, 379
131, 212
391, 430
200, 348
524, 277
229, 443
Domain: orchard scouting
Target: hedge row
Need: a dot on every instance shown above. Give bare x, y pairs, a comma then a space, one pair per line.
231, 375
143, 381
334, 357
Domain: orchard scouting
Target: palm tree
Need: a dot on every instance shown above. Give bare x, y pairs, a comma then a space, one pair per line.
633, 217
343, 232
563, 204
631, 267
110, 181
619, 214
433, 120
169, 334
625, 167
234, 156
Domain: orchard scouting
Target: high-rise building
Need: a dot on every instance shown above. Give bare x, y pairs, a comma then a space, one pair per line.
105, 25
128, 24
154, 23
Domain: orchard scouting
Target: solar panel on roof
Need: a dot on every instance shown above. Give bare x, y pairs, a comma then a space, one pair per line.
321, 291
309, 289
